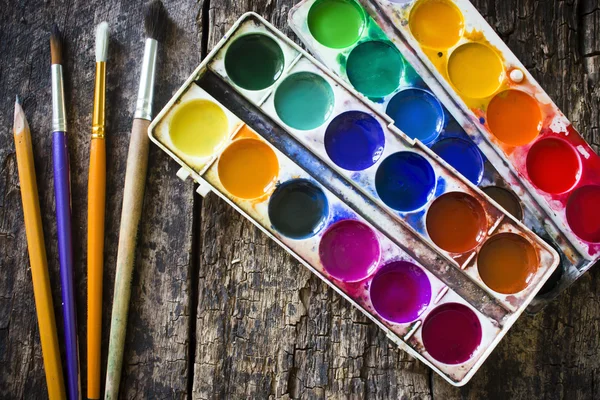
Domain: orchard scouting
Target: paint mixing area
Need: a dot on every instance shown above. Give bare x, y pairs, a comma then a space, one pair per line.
338, 199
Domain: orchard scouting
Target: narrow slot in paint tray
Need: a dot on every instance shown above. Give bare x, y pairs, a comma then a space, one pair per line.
244, 124
375, 38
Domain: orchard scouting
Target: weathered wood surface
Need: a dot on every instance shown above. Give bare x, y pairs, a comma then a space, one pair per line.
204, 327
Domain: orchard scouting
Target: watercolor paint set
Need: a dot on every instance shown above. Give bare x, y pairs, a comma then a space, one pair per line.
442, 76
382, 219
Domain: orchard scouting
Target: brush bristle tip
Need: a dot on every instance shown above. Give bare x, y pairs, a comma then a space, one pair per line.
56, 45
102, 41
155, 20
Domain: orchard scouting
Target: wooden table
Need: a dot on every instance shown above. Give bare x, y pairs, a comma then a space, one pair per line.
202, 326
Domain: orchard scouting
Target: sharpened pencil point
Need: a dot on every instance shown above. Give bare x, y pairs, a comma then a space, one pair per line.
17, 100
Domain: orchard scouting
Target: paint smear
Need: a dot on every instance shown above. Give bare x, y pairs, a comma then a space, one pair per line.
354, 140
417, 113
254, 61
456, 222
336, 23
583, 213
463, 155
248, 168
374, 68
405, 181
437, 24
475, 70
514, 117
553, 165
507, 262
452, 333
349, 251
198, 128
298, 209
507, 200
304, 101
400, 292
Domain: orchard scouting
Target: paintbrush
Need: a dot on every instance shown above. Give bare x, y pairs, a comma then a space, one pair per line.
96, 209
62, 191
37, 256
155, 21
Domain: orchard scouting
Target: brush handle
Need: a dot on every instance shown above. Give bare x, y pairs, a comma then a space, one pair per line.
39, 266
95, 261
62, 191
133, 199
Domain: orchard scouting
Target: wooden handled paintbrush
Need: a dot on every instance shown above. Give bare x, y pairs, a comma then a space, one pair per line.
96, 209
62, 191
37, 257
155, 20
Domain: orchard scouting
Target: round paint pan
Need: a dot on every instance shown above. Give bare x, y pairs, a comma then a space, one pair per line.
417, 113
248, 168
304, 101
463, 155
583, 213
475, 70
298, 209
349, 251
198, 128
354, 140
507, 200
507, 262
514, 117
400, 292
553, 165
405, 181
451, 333
374, 68
456, 222
336, 24
254, 61
437, 24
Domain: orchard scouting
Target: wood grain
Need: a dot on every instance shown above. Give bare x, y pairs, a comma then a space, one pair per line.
155, 356
218, 310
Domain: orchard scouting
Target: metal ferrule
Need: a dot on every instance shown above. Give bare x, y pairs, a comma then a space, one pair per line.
99, 102
59, 115
143, 106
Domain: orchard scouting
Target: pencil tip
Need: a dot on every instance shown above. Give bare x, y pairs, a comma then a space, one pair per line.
18, 100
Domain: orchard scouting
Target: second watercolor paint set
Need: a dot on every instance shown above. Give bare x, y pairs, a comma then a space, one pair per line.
378, 216
442, 75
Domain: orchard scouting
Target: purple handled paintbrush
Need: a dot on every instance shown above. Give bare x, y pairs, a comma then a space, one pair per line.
62, 190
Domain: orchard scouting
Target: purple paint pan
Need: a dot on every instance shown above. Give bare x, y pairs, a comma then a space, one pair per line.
400, 292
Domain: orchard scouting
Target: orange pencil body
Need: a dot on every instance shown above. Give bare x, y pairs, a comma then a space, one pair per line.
37, 258
96, 211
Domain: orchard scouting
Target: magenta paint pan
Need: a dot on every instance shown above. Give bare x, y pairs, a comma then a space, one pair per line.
349, 251
519, 129
268, 165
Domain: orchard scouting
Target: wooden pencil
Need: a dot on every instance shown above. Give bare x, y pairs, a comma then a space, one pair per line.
37, 256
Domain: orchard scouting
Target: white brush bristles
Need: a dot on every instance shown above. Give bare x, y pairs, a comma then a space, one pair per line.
102, 42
